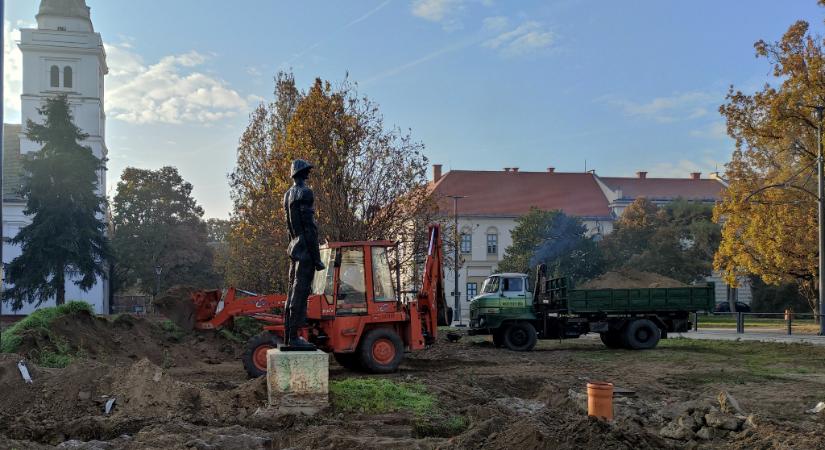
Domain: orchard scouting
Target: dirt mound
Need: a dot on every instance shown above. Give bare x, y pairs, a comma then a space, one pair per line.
176, 304
630, 279
125, 338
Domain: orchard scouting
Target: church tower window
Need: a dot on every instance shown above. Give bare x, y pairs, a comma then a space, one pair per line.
54, 76
67, 77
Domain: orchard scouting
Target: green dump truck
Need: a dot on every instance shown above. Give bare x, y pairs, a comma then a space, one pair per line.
624, 318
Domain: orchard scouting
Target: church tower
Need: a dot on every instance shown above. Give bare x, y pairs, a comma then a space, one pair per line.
64, 55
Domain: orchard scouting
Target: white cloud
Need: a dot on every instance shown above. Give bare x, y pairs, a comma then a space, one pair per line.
685, 106
169, 91
12, 66
435, 10
440, 11
525, 38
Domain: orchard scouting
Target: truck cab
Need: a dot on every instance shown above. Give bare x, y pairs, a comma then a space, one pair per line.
504, 297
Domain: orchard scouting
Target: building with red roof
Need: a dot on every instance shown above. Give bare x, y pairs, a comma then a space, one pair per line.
488, 203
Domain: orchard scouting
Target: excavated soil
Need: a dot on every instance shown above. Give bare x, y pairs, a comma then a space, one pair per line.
191, 392
630, 279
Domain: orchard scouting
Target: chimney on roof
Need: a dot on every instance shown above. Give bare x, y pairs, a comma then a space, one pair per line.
515, 169
641, 175
551, 169
436, 172
695, 175
506, 169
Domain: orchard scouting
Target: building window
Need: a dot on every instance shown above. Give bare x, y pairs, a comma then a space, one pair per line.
492, 243
472, 290
54, 76
466, 242
67, 77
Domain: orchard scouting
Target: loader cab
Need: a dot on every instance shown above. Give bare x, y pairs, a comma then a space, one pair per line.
358, 279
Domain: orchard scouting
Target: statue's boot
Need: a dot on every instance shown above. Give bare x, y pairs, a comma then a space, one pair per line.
299, 343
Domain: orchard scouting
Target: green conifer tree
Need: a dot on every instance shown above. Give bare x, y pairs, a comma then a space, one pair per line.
67, 233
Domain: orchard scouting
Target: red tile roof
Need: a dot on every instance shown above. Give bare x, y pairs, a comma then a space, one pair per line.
666, 188
510, 194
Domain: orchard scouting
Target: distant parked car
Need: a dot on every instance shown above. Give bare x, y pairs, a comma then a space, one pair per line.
724, 307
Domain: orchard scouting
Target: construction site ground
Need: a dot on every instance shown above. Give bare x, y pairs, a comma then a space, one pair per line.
177, 390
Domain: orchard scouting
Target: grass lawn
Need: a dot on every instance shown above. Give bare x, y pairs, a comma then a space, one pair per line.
775, 322
719, 361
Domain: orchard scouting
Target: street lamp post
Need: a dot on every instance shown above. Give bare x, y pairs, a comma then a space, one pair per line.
457, 242
158, 270
820, 217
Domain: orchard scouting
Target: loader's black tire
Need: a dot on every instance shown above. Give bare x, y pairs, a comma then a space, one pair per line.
381, 351
498, 338
254, 357
349, 361
641, 334
520, 337
612, 339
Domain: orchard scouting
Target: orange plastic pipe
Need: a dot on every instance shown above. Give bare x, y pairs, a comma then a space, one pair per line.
600, 399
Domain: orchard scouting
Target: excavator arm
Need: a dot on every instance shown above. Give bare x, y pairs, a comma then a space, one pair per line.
432, 304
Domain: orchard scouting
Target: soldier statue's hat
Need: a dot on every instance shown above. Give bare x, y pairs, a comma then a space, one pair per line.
299, 165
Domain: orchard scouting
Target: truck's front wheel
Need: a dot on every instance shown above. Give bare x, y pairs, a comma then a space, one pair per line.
641, 334
520, 337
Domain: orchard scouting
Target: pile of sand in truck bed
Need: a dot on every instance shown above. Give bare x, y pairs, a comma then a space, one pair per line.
630, 279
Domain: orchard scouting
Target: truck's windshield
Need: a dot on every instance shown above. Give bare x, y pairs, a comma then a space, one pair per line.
490, 285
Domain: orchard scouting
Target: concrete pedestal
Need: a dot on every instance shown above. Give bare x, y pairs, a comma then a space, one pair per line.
297, 382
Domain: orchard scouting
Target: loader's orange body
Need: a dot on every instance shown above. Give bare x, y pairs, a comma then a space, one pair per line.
338, 324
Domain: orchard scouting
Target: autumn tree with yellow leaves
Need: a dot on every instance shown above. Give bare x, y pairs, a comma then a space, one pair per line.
769, 211
369, 180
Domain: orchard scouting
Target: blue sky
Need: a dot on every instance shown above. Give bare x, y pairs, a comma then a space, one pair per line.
484, 84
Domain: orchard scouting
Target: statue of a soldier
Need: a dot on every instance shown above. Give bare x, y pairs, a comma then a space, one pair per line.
304, 253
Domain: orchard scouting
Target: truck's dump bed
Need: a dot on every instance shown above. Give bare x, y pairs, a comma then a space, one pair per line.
693, 298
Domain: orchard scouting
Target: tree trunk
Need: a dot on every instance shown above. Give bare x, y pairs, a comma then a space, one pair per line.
60, 284
732, 297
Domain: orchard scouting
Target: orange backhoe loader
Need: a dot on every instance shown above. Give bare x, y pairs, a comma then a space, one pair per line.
356, 310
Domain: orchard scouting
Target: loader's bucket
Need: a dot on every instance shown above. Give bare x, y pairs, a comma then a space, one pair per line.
185, 305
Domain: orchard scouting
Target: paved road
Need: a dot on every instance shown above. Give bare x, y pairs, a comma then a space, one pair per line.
761, 335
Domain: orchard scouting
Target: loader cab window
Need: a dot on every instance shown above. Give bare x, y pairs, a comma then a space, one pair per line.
513, 285
352, 291
381, 276
490, 285
323, 281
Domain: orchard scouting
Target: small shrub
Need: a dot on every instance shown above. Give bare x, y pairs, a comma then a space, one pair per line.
246, 327
173, 332
229, 335
54, 359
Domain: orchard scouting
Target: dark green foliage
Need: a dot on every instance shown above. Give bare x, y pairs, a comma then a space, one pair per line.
677, 240
555, 239
770, 298
67, 232
158, 223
